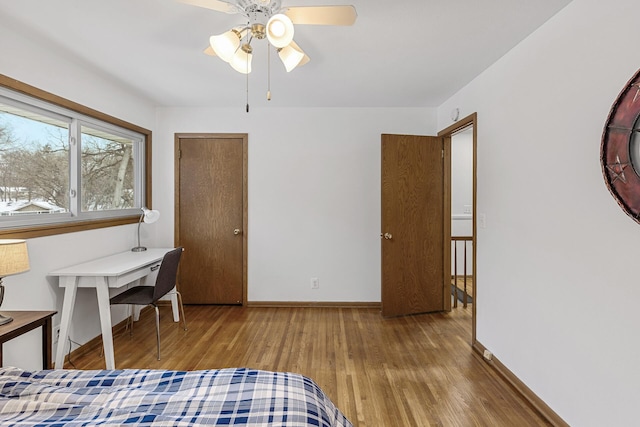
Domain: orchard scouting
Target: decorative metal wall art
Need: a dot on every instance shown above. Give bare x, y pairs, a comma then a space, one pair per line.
620, 149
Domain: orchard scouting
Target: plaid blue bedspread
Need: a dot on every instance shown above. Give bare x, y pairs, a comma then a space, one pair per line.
225, 397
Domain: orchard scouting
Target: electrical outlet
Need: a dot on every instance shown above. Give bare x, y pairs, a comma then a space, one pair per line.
482, 220
487, 355
56, 333
315, 283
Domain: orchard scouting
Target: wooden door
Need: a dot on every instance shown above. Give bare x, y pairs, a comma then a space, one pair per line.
415, 224
211, 184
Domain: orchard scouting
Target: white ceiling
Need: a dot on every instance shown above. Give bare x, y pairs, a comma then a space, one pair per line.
408, 53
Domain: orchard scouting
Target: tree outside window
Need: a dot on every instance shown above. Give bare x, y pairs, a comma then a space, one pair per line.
107, 171
34, 164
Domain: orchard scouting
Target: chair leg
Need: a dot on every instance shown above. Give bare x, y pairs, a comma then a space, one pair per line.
157, 328
184, 319
130, 319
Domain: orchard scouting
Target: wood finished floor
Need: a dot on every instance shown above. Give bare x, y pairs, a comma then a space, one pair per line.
460, 284
410, 371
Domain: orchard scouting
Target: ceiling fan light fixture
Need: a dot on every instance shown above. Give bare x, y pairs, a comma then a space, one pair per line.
290, 57
241, 60
258, 31
226, 44
280, 30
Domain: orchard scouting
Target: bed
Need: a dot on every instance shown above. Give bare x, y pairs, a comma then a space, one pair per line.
238, 397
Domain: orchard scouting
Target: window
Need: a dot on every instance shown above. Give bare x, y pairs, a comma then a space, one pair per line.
61, 166
107, 171
34, 163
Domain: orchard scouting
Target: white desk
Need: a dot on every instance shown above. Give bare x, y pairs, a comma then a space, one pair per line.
113, 271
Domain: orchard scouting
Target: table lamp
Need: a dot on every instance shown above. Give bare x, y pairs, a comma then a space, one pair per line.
148, 216
14, 259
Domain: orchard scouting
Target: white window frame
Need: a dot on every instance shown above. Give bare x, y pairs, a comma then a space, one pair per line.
76, 120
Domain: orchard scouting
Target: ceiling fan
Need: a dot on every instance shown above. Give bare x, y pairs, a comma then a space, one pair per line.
268, 19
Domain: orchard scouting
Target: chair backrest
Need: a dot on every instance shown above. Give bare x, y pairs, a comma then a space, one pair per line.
166, 279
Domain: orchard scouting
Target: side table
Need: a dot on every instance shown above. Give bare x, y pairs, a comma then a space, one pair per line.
25, 321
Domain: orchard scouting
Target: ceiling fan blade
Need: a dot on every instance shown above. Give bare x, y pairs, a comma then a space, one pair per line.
218, 5
209, 51
322, 15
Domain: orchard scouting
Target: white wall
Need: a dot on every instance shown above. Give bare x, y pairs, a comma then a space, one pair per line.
314, 193
557, 261
462, 176
462, 198
31, 62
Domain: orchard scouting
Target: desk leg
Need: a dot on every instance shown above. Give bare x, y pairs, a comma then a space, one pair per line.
70, 285
136, 312
102, 291
174, 305
136, 308
46, 344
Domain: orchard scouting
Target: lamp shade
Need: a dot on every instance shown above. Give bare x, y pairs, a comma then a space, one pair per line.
226, 44
150, 216
280, 30
14, 257
241, 61
292, 56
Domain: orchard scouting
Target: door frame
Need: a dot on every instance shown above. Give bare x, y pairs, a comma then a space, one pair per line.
470, 120
245, 217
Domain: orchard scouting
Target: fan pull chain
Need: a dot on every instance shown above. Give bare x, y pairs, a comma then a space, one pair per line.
249, 39
268, 72
247, 84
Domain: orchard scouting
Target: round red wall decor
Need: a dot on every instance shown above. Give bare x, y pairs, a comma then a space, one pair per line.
620, 149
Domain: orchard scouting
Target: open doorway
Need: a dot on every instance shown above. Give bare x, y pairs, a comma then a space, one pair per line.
463, 137
462, 217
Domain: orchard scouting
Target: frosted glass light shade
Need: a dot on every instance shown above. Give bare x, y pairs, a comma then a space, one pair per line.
226, 44
290, 57
280, 30
14, 257
241, 61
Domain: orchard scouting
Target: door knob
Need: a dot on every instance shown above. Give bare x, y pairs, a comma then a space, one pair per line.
236, 231
388, 236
